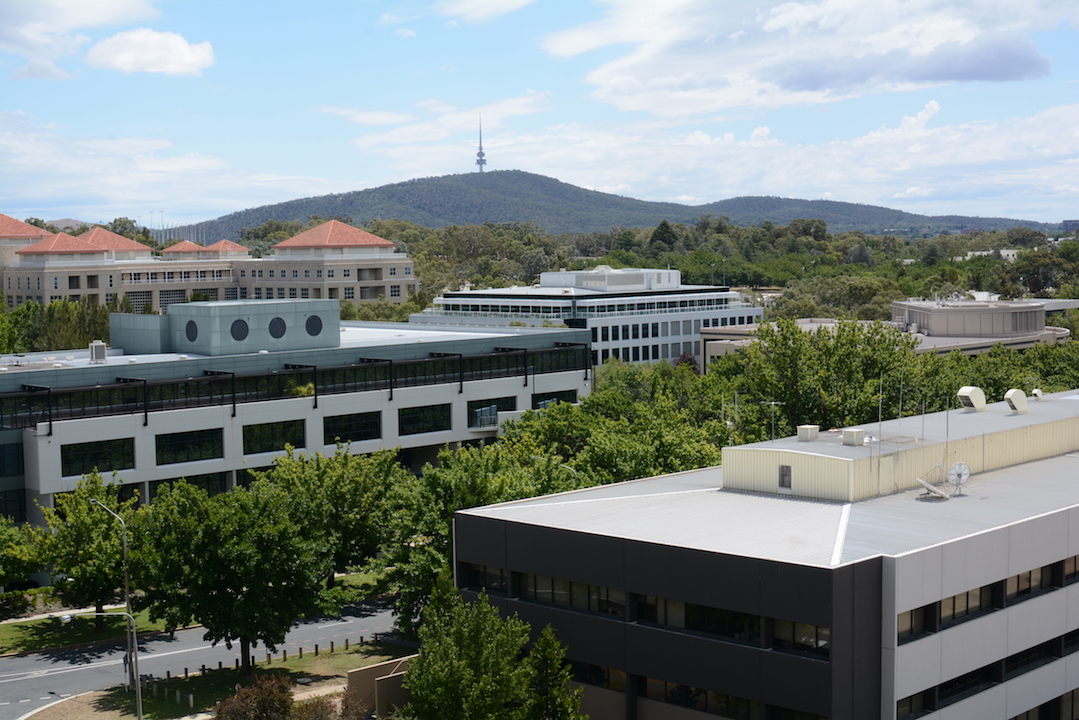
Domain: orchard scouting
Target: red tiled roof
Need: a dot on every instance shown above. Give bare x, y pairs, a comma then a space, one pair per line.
225, 246
111, 241
184, 246
12, 228
334, 234
60, 244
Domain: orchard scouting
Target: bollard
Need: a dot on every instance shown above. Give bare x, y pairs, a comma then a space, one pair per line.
177, 697
203, 671
155, 689
185, 677
284, 655
190, 700
301, 652
331, 647
267, 659
316, 649
219, 665
346, 642
238, 663
168, 676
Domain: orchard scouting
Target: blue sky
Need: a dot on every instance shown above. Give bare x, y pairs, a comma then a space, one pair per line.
174, 111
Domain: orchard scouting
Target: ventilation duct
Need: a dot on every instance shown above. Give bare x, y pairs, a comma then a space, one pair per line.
972, 398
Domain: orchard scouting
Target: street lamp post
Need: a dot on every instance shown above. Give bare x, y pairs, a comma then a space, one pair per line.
127, 594
134, 656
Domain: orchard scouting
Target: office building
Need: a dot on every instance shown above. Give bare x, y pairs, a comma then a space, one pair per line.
214, 390
922, 567
638, 315
332, 261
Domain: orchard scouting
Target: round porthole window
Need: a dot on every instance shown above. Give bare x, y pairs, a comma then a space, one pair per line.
277, 327
314, 325
192, 331
239, 330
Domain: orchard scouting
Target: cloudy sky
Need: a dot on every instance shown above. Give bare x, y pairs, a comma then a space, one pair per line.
172, 111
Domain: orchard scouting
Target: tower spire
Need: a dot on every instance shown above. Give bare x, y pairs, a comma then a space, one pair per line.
480, 160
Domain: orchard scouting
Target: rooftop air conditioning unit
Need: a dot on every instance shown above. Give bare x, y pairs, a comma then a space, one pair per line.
98, 352
808, 433
972, 398
853, 436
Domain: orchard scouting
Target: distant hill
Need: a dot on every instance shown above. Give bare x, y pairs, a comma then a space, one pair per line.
557, 207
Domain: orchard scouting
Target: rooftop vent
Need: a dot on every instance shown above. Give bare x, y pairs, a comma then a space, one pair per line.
972, 398
98, 352
1017, 401
853, 436
808, 433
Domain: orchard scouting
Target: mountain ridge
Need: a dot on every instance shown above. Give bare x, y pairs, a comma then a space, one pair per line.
505, 196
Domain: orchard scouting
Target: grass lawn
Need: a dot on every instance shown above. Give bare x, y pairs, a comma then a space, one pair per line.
46, 633
217, 685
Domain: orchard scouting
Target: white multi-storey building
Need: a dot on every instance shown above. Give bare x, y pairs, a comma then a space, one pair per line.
638, 315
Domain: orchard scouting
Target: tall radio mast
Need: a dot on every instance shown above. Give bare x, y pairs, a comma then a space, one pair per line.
480, 159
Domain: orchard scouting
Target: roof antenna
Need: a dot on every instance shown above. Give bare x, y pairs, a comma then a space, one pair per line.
480, 159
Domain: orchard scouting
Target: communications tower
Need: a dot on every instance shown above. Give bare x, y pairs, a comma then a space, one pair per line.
480, 159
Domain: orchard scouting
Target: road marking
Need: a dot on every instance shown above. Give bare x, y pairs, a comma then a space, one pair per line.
16, 677
26, 700
343, 622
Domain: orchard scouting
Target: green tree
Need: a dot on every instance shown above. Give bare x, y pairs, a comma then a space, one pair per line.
550, 695
18, 558
342, 499
82, 545
238, 563
469, 664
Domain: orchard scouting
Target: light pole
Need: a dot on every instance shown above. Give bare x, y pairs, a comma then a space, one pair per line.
134, 657
127, 592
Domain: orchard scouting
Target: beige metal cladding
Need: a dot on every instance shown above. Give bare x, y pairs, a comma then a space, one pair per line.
872, 472
812, 475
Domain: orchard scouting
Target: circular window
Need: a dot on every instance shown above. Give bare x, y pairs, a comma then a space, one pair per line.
239, 330
192, 331
277, 327
314, 325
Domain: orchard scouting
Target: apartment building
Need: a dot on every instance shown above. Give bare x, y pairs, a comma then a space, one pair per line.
926, 567
332, 261
638, 315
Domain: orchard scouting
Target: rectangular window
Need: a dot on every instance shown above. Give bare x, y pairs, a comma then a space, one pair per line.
292, 293
484, 413
395, 291
636, 353
784, 476
272, 274
351, 428
393, 271
329, 273
243, 273
258, 293
350, 293
965, 606
408, 270
280, 293
103, 456
55, 283
543, 400
305, 293
636, 332
724, 623
430, 418
318, 273
801, 638
604, 334
1026, 585
190, 446
481, 577
912, 623
296, 273
347, 272
272, 437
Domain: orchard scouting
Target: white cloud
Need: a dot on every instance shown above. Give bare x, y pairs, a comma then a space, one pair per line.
146, 50
40, 69
689, 57
480, 10
45, 30
366, 117
404, 33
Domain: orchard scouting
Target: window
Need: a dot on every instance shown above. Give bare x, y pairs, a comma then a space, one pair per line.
351, 428
258, 293
280, 293
965, 605
271, 437
318, 273
542, 400
350, 293
190, 446
72, 282
614, 333
604, 334
103, 456
296, 273
395, 291
636, 332
329, 273
272, 273
408, 270
292, 292
598, 676
260, 273
606, 601
305, 293
243, 273
480, 577
484, 413
727, 706
784, 476
347, 272
801, 638
55, 283
912, 623
1026, 585
393, 271
430, 418
11, 460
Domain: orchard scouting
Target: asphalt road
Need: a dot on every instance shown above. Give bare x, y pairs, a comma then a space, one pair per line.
32, 681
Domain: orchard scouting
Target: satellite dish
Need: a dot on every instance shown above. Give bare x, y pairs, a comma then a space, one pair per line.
958, 474
932, 490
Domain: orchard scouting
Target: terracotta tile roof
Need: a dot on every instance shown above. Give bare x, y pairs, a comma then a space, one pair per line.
334, 234
225, 246
12, 228
60, 244
184, 246
111, 241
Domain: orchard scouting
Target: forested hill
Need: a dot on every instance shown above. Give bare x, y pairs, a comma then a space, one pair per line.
557, 207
